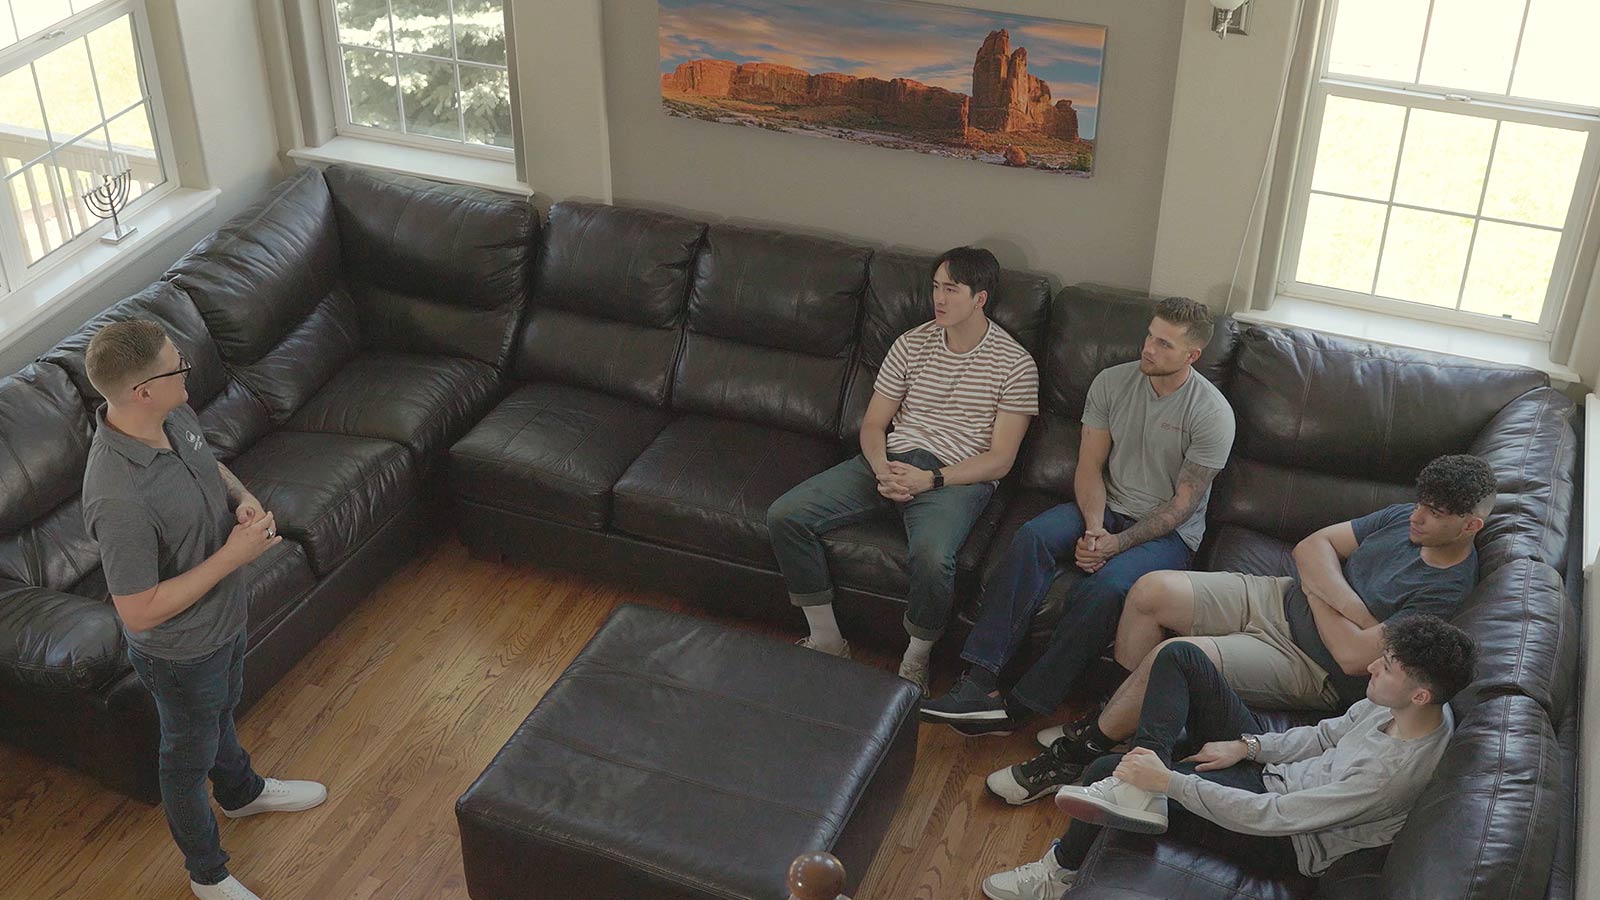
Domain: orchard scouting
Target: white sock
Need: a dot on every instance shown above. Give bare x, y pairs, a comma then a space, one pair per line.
917, 652
824, 630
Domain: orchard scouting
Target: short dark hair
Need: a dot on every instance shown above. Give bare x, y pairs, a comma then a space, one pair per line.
974, 267
1194, 316
120, 352
1458, 484
1436, 654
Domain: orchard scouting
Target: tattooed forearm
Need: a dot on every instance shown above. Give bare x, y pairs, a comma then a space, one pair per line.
1193, 480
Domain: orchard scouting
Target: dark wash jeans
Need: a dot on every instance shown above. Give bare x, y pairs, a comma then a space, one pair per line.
1187, 692
937, 522
1036, 556
195, 699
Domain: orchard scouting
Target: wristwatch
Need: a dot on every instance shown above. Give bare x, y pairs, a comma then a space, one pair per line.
938, 478
1252, 746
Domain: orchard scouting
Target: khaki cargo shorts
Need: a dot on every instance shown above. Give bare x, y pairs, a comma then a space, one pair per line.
1260, 660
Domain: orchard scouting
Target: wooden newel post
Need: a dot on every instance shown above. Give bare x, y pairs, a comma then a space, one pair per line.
816, 876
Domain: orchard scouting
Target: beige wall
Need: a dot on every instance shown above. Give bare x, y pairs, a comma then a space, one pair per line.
1099, 229
219, 63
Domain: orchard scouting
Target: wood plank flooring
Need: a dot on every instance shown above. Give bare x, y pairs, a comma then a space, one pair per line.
398, 711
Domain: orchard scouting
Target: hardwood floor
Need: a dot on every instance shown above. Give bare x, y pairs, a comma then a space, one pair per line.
398, 711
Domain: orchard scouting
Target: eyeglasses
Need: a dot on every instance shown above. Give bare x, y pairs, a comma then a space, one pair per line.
182, 369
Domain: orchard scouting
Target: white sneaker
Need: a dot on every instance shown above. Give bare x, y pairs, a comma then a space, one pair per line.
282, 796
1050, 735
1042, 880
1117, 804
917, 674
227, 889
843, 652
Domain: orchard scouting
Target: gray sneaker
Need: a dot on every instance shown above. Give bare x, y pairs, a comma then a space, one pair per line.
1042, 880
1115, 803
843, 652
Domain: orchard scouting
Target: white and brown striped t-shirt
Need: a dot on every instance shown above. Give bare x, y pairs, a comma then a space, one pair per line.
948, 400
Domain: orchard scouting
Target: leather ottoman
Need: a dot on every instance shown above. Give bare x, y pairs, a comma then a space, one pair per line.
680, 759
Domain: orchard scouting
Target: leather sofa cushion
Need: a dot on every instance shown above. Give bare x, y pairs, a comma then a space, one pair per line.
1094, 327
1048, 459
44, 444
1192, 863
704, 485
553, 452
1498, 789
234, 420
1526, 630
1234, 548
1311, 401
258, 275
1532, 446
329, 492
874, 556
53, 551
273, 583
610, 301
1290, 503
54, 642
423, 402
289, 372
772, 322
436, 268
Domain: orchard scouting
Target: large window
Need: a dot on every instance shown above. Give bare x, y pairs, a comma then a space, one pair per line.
1450, 157
77, 102
422, 71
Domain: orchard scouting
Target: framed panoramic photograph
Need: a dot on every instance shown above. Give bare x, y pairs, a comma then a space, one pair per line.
963, 83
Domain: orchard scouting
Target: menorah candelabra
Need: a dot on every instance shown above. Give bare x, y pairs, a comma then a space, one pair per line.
110, 198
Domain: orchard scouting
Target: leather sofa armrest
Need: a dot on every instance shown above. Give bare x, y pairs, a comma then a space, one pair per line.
55, 642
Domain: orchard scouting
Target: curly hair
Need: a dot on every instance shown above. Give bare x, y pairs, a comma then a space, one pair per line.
1459, 484
1436, 654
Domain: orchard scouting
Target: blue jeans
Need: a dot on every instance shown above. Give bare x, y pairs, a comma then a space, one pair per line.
1033, 560
936, 521
195, 699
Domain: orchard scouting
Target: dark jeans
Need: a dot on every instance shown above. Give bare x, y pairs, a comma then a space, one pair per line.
1187, 692
195, 700
936, 521
1035, 557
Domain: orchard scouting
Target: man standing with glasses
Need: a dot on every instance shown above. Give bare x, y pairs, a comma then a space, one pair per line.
174, 528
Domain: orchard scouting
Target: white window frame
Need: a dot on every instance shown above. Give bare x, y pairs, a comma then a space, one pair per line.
15, 272
328, 10
1458, 102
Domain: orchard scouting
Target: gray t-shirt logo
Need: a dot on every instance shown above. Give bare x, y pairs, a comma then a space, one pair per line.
195, 440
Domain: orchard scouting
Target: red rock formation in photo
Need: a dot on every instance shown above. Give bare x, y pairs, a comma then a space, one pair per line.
900, 101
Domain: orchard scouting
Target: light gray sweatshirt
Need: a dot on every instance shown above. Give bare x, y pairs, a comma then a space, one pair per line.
1335, 787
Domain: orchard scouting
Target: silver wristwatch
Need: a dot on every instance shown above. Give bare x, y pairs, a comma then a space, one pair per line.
1252, 746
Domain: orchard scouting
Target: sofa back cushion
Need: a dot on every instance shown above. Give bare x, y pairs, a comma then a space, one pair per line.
263, 272
610, 300
772, 324
900, 297
1526, 630
44, 444
1533, 448
434, 268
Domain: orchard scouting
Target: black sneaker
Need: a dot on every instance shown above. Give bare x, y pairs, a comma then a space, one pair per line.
966, 702
1026, 782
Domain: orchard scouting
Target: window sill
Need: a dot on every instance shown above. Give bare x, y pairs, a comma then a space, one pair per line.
1413, 334
488, 174
90, 267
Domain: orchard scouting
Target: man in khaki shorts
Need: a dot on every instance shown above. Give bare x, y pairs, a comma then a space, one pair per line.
1302, 642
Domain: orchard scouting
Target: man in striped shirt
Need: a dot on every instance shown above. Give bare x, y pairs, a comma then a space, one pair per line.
958, 392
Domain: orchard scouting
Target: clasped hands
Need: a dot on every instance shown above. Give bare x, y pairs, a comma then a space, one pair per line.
1143, 769
1094, 549
901, 481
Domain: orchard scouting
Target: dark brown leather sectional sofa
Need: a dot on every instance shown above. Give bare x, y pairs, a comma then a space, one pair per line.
623, 393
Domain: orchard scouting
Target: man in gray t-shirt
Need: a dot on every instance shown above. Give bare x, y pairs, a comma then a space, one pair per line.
158, 504
1155, 434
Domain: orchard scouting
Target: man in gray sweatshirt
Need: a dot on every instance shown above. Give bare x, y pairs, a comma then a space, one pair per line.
1305, 797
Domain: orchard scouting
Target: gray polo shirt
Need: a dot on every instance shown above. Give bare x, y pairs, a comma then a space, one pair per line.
157, 514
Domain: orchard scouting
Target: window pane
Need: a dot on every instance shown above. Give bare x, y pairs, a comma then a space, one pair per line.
37, 15
116, 65
70, 105
132, 141
1471, 44
486, 98
422, 26
8, 35
34, 196
1339, 246
1424, 256
364, 22
369, 80
1378, 38
480, 33
77, 166
1535, 171
1445, 159
1510, 271
1358, 147
1558, 61
22, 135
428, 90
